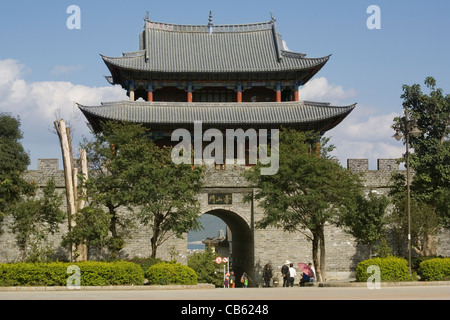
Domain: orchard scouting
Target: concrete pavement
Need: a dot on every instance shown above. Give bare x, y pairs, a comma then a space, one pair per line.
338, 291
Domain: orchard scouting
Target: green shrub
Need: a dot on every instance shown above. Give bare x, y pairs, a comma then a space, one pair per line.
437, 269
92, 273
391, 269
170, 273
145, 263
416, 261
204, 265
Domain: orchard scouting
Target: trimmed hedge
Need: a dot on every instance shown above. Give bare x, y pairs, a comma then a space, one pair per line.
437, 269
170, 273
391, 269
92, 273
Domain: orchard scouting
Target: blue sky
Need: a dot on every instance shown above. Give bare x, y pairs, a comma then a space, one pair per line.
45, 67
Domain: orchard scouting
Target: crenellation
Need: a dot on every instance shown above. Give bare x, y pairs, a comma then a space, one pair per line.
387, 165
48, 165
358, 164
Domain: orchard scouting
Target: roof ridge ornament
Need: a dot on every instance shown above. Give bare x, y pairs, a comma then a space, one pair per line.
210, 23
272, 18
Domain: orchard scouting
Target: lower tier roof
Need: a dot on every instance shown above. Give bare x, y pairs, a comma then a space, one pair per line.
301, 115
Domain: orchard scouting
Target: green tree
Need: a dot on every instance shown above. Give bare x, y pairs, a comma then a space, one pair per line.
91, 229
430, 160
205, 267
165, 192
368, 223
128, 170
13, 163
425, 224
34, 219
108, 185
307, 192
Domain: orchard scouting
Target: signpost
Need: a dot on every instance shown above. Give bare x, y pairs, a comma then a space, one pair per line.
226, 275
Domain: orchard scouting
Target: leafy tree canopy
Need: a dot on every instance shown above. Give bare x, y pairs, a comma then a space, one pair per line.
431, 157
307, 192
13, 163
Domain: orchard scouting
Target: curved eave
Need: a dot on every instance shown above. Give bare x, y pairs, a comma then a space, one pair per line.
138, 64
157, 115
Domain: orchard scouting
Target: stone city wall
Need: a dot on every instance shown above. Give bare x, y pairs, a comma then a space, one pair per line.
269, 245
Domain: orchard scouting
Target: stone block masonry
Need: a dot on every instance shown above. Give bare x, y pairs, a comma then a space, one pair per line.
251, 248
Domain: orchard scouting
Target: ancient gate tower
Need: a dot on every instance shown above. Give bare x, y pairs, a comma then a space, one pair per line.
226, 77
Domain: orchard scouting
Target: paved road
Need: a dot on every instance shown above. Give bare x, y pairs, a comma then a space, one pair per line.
239, 303
295, 293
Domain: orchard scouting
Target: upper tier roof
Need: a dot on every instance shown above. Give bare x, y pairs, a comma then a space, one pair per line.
171, 48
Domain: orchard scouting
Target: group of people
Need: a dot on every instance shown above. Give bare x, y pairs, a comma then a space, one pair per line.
289, 273
230, 281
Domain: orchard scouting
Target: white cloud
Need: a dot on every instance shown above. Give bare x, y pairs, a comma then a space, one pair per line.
364, 134
285, 47
11, 71
40, 100
38, 104
318, 89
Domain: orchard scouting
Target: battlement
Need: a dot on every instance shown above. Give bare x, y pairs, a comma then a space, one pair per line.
382, 165
48, 165
52, 165
46, 169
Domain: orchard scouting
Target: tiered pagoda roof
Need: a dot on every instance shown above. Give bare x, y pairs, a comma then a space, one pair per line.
192, 50
228, 56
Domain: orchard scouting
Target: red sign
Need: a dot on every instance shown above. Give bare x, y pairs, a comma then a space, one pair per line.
218, 260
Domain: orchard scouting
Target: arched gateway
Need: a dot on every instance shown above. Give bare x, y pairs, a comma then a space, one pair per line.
227, 77
241, 238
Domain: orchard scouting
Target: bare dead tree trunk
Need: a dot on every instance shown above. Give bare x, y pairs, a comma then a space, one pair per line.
81, 200
71, 181
84, 173
65, 148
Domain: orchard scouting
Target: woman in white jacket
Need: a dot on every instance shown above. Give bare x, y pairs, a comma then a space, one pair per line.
292, 274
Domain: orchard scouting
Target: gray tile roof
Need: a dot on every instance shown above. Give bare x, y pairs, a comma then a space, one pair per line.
220, 114
228, 48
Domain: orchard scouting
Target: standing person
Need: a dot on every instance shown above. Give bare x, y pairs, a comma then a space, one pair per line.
292, 274
244, 279
267, 275
232, 280
285, 273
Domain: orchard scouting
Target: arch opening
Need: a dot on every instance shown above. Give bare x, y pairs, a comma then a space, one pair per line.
240, 243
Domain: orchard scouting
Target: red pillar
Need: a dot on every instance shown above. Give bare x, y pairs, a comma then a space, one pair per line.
189, 89
278, 95
239, 96
296, 95
278, 90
